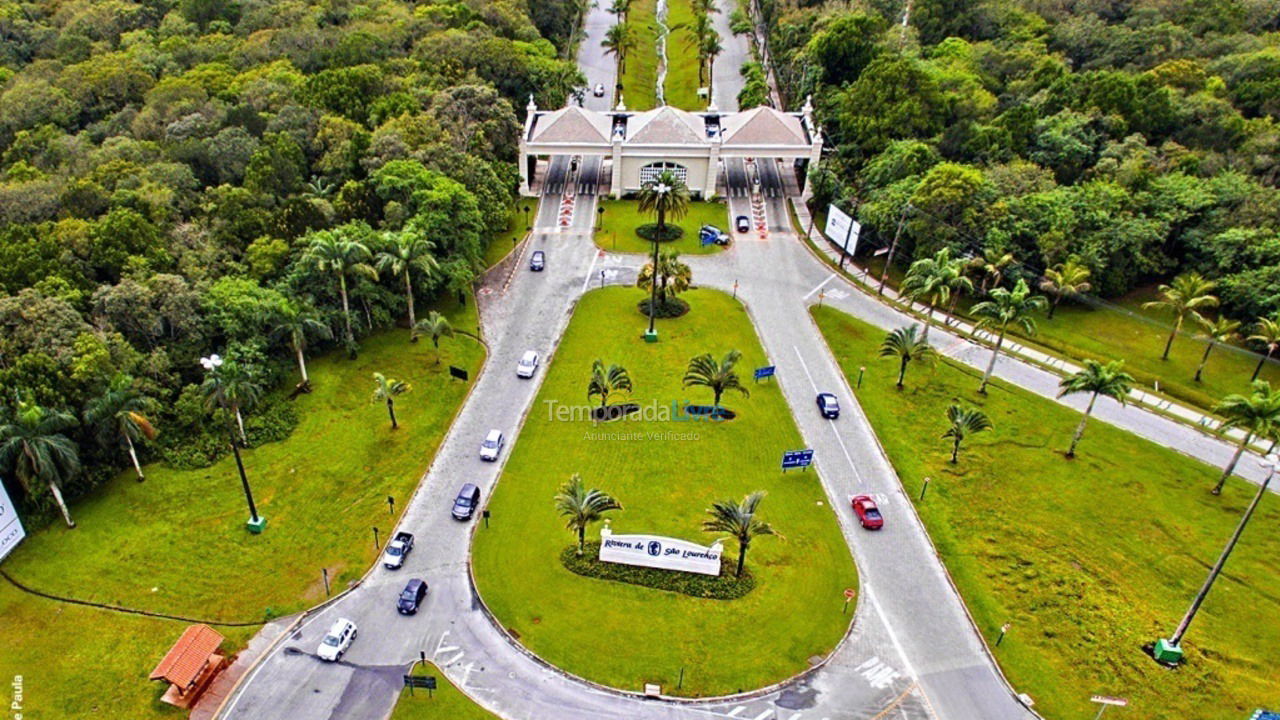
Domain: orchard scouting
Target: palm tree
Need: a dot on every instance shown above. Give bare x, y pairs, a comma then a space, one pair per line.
618, 41
332, 251
664, 195
120, 415
387, 389
296, 321
34, 450
1067, 280
704, 371
674, 277
580, 507
1257, 414
907, 344
964, 422
1005, 308
404, 253
605, 381
991, 265
235, 388
1096, 379
1215, 331
926, 282
1267, 334
1187, 294
620, 8
434, 326
739, 520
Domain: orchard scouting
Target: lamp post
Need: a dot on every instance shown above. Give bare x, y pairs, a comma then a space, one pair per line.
1169, 650
652, 335
256, 522
599, 217
527, 224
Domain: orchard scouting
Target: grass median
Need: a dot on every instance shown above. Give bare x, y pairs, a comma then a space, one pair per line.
618, 225
640, 76
666, 473
446, 702
1087, 559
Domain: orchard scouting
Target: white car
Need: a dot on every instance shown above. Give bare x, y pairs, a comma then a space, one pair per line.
337, 640
528, 364
599, 90
491, 446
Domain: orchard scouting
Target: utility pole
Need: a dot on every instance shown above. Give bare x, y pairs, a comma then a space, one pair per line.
893, 247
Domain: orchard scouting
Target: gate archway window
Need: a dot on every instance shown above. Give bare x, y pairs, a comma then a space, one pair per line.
650, 172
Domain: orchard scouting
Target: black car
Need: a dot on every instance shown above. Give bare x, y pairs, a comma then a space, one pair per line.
828, 406
464, 506
538, 261
742, 223
411, 597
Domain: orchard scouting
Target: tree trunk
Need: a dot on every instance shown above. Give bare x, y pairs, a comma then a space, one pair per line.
1054, 307
408, 293
240, 423
1261, 361
928, 321
742, 558
391, 410
902, 370
62, 504
995, 353
346, 307
1231, 466
133, 455
1075, 440
582, 539
302, 364
1204, 359
955, 449
1169, 343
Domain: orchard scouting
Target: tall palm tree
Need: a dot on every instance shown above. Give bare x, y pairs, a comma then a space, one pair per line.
618, 41
674, 277
580, 507
906, 344
964, 423
386, 390
1065, 280
335, 252
1005, 308
34, 450
404, 253
120, 416
664, 195
236, 388
991, 265
1187, 294
1267, 334
1096, 379
605, 381
739, 520
1215, 331
926, 282
296, 321
1257, 414
719, 377
620, 8
434, 326
711, 49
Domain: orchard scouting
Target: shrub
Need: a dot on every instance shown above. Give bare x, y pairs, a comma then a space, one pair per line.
725, 586
649, 231
668, 308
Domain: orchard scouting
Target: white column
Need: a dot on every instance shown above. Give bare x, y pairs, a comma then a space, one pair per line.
615, 184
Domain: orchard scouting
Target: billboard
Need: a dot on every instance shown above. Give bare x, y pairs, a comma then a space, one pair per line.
11, 532
660, 552
842, 229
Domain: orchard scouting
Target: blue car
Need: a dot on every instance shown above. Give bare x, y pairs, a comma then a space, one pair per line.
828, 406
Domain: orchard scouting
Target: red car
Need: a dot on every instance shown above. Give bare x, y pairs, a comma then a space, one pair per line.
868, 514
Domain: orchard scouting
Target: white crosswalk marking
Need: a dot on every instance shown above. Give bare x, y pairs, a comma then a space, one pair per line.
877, 674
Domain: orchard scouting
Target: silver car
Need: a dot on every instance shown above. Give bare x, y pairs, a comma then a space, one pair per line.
492, 445
528, 364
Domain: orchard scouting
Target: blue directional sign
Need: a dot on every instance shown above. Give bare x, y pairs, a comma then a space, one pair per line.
1264, 715
797, 459
765, 372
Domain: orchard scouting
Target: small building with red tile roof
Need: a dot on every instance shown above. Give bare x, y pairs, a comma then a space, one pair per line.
190, 665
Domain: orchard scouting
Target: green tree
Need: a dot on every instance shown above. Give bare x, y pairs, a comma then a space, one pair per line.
276, 169
120, 416
34, 450
666, 195
402, 254
846, 46
296, 321
386, 390
619, 40
1065, 280
1214, 331
719, 377
606, 381
434, 326
673, 276
1186, 295
739, 521
1256, 414
991, 266
580, 507
1005, 308
964, 422
235, 388
342, 253
906, 344
927, 282
1096, 379
1267, 334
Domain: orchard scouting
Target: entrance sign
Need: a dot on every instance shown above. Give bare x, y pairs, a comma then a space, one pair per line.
660, 552
11, 532
797, 459
1108, 700
842, 229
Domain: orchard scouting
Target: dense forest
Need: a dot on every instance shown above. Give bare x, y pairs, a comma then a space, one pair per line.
262, 180
1139, 137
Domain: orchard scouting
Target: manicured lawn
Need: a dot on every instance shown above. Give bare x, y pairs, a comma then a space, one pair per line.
501, 244
1088, 559
618, 225
177, 542
446, 702
640, 81
626, 635
682, 83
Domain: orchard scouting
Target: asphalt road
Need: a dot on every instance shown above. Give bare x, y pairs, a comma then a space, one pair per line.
726, 81
598, 67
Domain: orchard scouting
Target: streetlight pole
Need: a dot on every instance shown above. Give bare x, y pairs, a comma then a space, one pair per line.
256, 522
662, 189
527, 224
1170, 650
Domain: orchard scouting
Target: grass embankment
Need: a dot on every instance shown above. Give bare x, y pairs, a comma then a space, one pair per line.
446, 702
500, 245
682, 81
177, 543
618, 225
625, 635
640, 79
1088, 559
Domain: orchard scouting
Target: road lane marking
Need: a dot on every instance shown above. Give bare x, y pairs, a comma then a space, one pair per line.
736, 711
590, 271
857, 476
877, 673
818, 287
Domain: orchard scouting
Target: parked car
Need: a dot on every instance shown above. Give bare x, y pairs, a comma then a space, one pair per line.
742, 223
393, 556
598, 91
492, 445
411, 597
714, 234
337, 640
868, 513
528, 364
464, 506
828, 406
538, 261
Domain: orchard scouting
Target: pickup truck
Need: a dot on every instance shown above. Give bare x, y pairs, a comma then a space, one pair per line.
397, 549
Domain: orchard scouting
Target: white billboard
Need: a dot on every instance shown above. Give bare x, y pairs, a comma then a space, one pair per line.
842, 229
660, 552
11, 532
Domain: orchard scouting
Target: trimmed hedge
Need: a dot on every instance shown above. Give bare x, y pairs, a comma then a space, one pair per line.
667, 309
723, 587
649, 231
